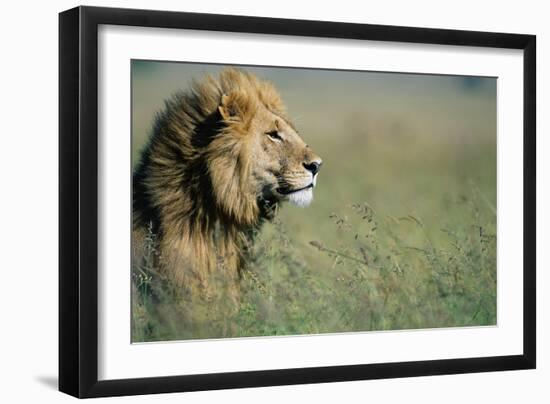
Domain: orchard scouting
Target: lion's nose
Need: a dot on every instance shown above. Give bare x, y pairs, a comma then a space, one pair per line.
314, 166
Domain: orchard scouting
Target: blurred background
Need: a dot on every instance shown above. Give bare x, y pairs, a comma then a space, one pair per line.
401, 232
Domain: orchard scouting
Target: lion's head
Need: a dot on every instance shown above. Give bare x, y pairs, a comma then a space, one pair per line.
258, 157
221, 156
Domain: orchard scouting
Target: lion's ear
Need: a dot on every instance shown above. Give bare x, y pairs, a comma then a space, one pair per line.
225, 112
235, 105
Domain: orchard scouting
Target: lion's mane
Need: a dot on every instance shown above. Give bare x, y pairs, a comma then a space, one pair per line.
191, 186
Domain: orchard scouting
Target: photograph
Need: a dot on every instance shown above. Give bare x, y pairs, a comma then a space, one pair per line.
276, 201
269, 202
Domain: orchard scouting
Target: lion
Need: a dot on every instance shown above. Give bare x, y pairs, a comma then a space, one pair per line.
221, 158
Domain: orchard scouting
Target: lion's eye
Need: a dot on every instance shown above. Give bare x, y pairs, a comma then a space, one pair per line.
274, 135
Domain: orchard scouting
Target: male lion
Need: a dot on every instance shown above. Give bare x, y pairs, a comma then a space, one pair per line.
221, 157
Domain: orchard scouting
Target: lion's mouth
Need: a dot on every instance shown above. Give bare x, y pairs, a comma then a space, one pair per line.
288, 191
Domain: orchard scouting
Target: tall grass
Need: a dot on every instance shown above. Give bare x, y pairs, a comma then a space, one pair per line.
372, 278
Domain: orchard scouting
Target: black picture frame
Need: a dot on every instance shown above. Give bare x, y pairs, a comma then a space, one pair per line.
78, 201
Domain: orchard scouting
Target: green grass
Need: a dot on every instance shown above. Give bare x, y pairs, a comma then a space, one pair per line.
401, 235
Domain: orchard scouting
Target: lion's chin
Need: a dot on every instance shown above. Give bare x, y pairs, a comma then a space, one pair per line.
301, 198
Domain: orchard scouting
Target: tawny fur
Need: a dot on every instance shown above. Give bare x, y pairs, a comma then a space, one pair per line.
209, 174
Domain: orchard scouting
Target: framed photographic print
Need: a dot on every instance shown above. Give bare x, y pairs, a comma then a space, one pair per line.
251, 201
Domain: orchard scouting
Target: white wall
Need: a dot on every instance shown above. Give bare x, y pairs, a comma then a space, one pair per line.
28, 201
